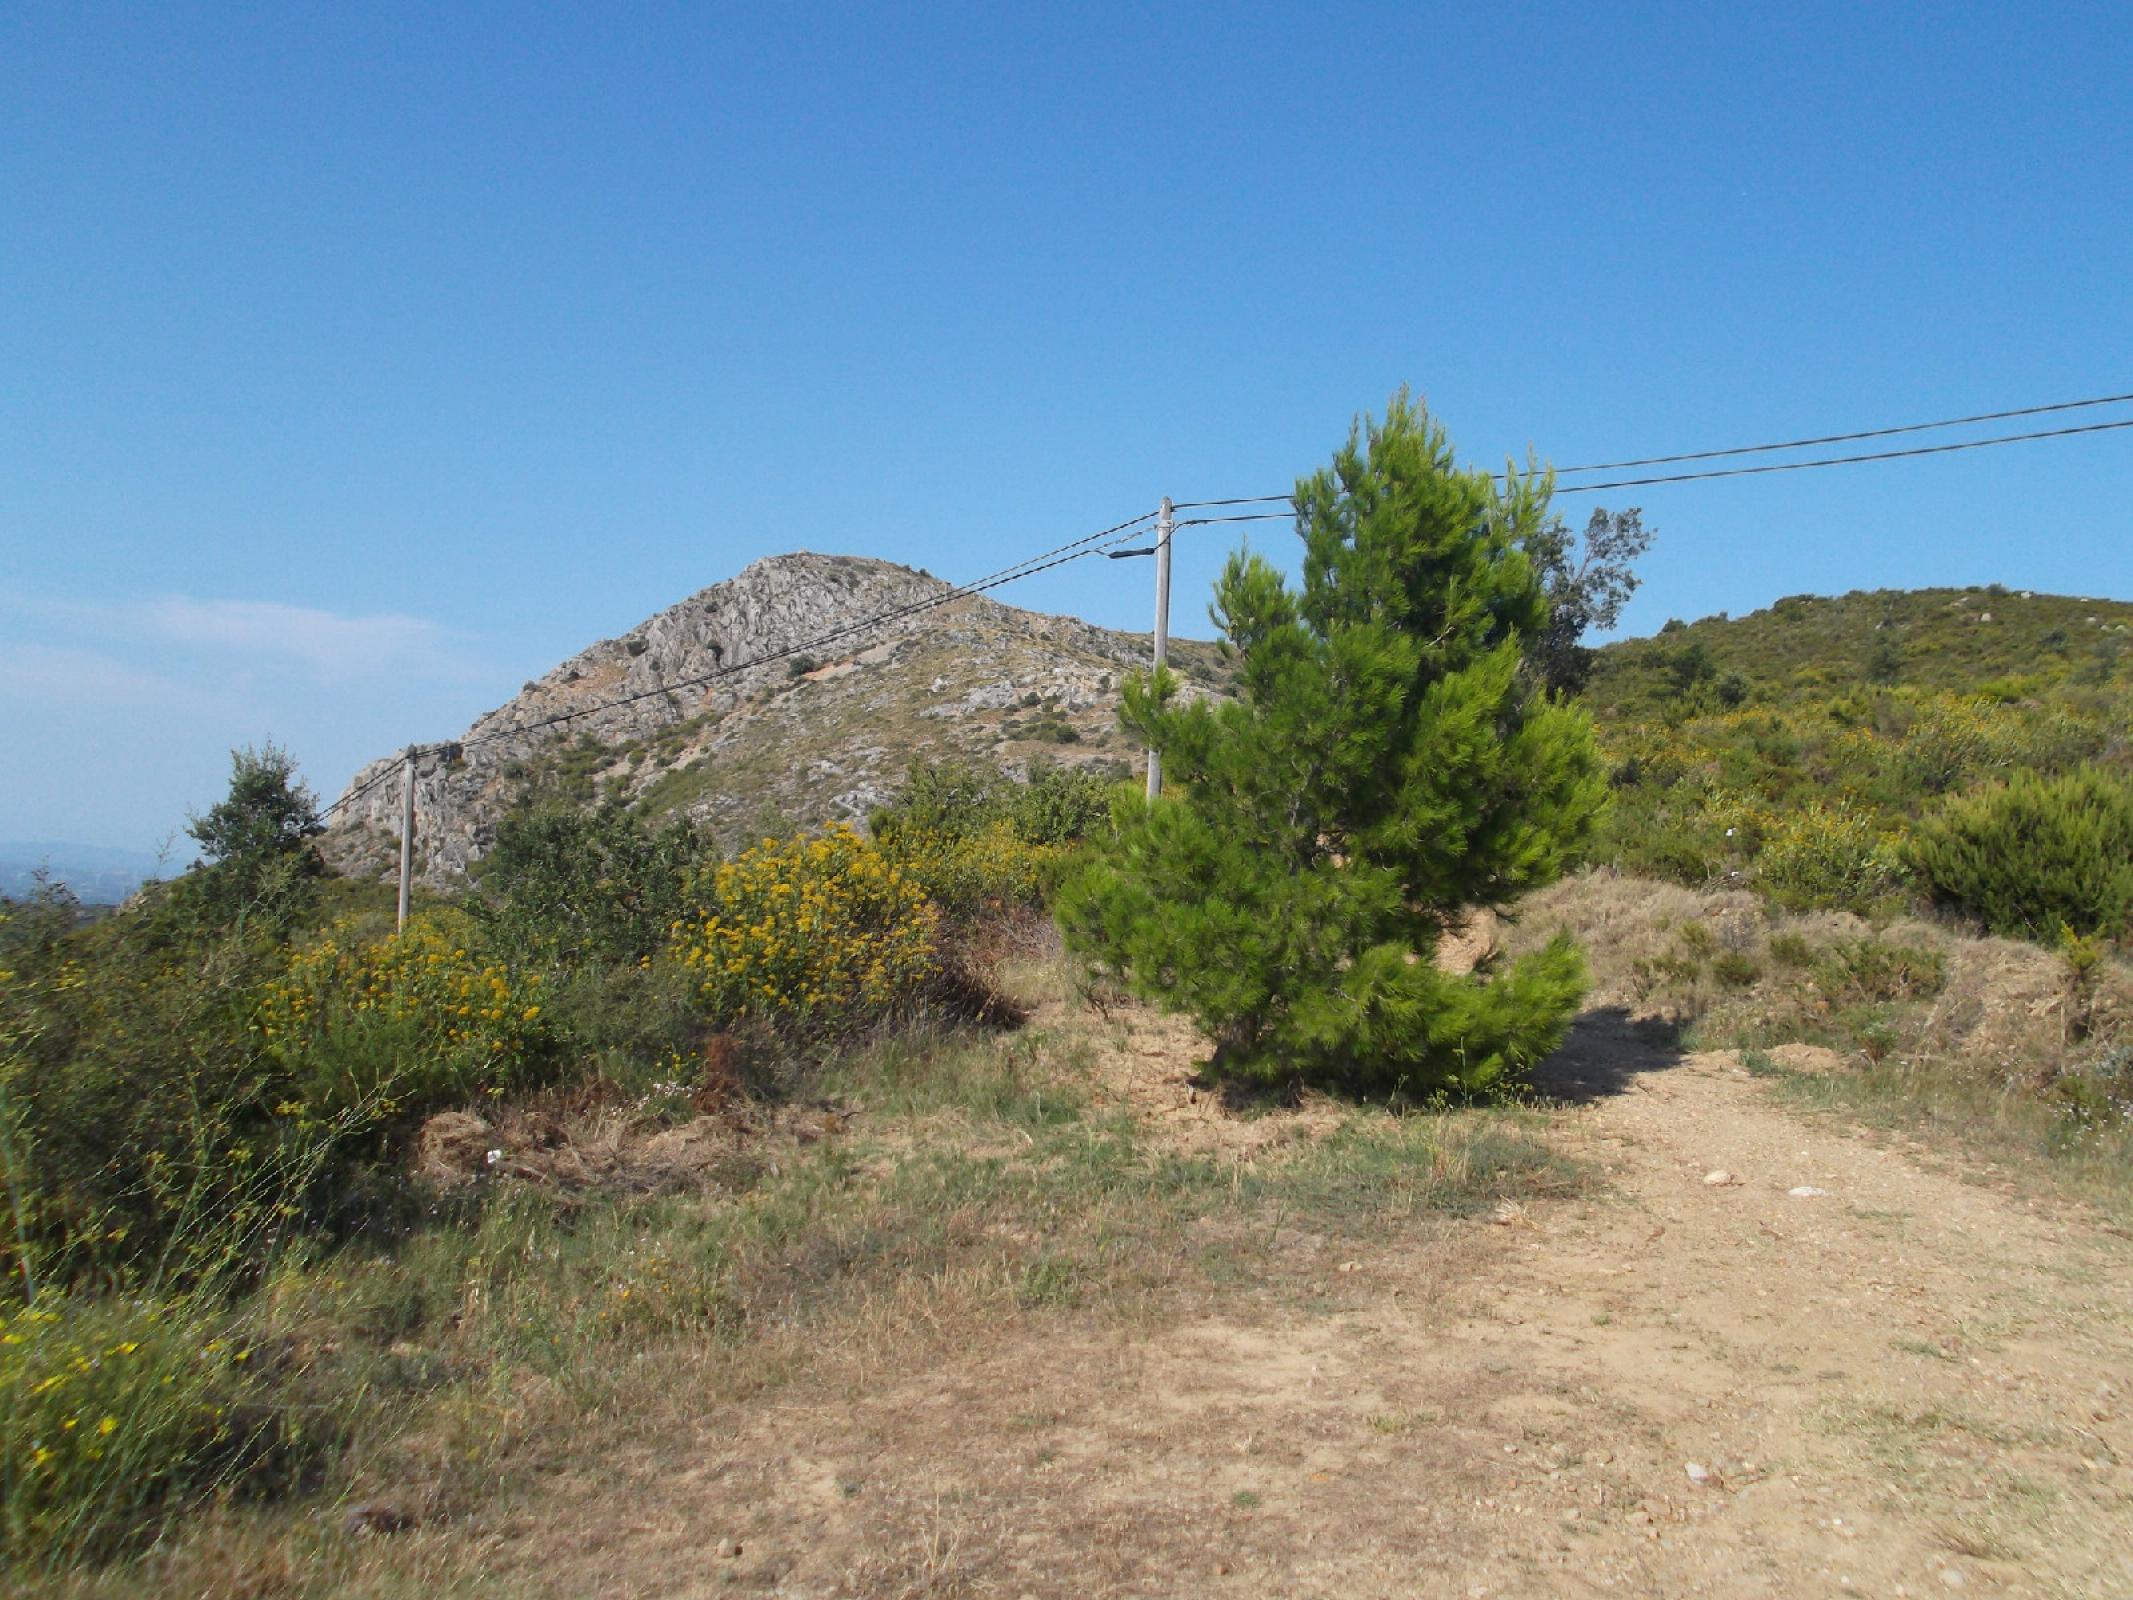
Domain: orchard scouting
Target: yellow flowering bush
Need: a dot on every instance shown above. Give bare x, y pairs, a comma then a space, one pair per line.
1825, 854
417, 1017
821, 928
988, 868
110, 1408
1954, 739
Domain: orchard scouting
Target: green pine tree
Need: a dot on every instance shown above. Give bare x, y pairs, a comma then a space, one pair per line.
1387, 765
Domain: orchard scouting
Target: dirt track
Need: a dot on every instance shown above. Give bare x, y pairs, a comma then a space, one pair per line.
1907, 1384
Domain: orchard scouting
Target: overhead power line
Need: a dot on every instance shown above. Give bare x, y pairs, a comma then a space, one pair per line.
1059, 556
1847, 438
353, 795
1742, 472
1249, 516
1091, 544
1847, 461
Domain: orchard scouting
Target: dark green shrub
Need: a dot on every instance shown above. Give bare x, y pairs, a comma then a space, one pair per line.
1735, 969
1690, 667
1391, 760
948, 798
2034, 855
1884, 661
1057, 806
1060, 805
981, 843
563, 886
1791, 950
131, 1100
1861, 970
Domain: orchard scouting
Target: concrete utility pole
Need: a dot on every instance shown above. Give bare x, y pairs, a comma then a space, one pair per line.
407, 837
1162, 626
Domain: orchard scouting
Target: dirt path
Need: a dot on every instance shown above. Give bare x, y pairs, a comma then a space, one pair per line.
1902, 1384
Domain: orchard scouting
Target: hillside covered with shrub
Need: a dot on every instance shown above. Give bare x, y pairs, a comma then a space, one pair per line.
1801, 749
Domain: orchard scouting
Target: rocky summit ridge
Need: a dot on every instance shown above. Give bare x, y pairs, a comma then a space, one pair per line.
781, 743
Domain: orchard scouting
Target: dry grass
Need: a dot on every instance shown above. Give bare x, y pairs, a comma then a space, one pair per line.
947, 1189
1995, 1051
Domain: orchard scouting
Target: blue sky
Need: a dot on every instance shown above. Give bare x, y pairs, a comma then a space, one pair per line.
358, 363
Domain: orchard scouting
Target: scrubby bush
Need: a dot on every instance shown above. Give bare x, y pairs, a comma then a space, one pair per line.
1060, 805
988, 869
2034, 855
157, 1106
1865, 971
978, 842
1825, 855
1879, 757
131, 1097
1056, 806
828, 931
1953, 740
399, 1026
563, 886
111, 1408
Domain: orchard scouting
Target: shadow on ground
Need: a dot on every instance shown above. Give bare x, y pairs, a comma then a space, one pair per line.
1606, 1052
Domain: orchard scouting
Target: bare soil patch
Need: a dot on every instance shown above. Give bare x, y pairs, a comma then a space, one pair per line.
1843, 1370
1153, 1067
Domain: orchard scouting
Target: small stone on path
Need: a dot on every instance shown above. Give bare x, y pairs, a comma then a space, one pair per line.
1719, 1179
1807, 1191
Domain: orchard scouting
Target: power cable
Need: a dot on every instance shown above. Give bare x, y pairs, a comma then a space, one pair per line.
1847, 438
1847, 461
354, 795
1240, 500
1742, 472
1073, 550
1250, 516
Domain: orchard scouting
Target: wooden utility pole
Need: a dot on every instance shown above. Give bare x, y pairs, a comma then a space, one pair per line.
1162, 626
407, 837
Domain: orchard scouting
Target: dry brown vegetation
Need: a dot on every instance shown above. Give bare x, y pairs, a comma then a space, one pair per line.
1998, 1050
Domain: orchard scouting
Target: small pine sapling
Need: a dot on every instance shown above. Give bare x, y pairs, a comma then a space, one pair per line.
1391, 762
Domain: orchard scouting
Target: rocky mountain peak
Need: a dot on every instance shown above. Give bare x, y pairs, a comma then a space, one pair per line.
700, 710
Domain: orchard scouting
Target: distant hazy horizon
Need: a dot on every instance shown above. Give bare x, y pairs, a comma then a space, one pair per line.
98, 874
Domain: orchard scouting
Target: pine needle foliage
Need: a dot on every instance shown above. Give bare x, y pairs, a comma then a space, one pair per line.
1387, 765
2035, 856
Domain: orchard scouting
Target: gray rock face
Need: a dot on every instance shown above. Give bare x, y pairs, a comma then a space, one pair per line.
685, 714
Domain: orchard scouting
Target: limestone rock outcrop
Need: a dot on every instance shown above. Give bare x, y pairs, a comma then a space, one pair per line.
697, 711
